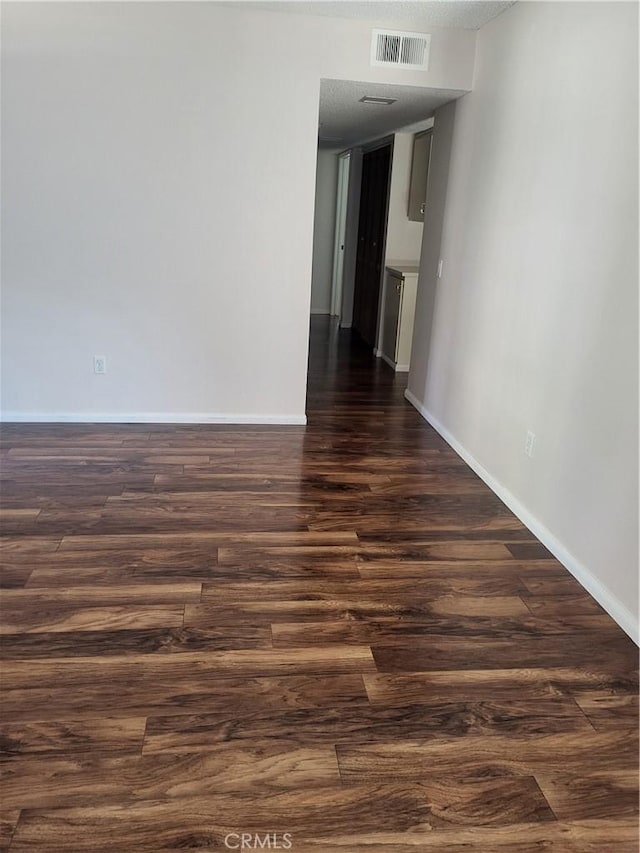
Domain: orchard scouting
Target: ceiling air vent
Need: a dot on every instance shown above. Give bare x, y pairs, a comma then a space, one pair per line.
402, 50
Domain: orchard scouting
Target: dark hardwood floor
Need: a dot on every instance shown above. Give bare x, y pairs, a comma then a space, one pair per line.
336, 632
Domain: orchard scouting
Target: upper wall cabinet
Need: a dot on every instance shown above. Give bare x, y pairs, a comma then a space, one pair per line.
419, 174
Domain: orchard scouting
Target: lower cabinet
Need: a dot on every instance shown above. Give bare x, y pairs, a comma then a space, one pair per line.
398, 306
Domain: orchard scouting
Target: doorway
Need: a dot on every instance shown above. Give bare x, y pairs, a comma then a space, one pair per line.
372, 228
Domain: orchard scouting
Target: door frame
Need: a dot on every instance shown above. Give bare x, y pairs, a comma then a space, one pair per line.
342, 197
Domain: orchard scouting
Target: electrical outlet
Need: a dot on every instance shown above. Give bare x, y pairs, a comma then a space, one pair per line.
529, 443
99, 364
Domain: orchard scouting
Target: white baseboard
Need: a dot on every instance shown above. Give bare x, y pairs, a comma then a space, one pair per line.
605, 598
399, 368
325, 311
149, 418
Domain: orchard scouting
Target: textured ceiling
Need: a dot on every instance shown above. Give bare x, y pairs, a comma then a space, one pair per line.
408, 14
344, 121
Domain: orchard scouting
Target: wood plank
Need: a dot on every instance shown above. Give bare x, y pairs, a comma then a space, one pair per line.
10, 546
272, 479
151, 540
609, 710
331, 660
573, 796
103, 734
228, 519
515, 532
545, 585
14, 577
417, 485
54, 618
351, 724
268, 611
191, 692
588, 836
530, 551
335, 609
267, 573
479, 653
401, 568
499, 840
476, 550
495, 756
200, 570
262, 491
411, 591
452, 618
163, 640
17, 514
476, 518
556, 605
186, 555
457, 685
87, 780
8, 821
283, 557
102, 596
358, 811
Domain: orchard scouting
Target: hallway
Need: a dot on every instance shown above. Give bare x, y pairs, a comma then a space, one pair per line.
334, 635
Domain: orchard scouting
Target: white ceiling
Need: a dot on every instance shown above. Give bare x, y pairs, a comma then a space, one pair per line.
407, 14
344, 121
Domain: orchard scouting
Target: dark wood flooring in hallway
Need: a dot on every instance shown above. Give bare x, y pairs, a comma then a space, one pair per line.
331, 638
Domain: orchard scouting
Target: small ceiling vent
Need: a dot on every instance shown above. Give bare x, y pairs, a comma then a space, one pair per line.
402, 50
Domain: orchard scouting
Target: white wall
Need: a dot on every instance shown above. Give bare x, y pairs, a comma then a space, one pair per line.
404, 238
534, 323
158, 195
438, 181
324, 231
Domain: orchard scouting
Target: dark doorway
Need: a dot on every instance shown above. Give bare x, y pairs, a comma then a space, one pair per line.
372, 227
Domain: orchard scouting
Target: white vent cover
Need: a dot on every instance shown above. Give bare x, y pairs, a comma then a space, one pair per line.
402, 50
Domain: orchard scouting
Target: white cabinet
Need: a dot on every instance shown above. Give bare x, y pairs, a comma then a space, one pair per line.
399, 305
394, 283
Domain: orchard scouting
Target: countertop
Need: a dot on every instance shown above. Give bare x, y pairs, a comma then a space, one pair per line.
403, 267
